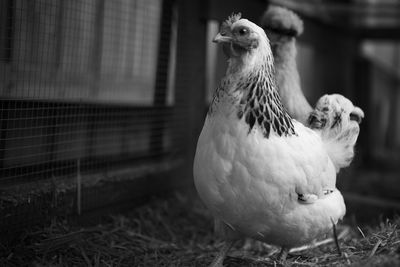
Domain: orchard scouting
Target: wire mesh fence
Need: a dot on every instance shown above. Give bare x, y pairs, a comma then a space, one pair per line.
87, 89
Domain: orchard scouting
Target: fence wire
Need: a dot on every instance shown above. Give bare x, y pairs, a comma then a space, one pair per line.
87, 81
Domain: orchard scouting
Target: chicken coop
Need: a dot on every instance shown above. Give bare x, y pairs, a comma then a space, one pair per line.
94, 104
101, 103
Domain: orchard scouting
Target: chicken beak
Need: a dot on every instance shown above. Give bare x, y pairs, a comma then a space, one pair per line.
357, 115
222, 38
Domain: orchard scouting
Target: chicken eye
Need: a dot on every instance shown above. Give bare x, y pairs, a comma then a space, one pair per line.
243, 31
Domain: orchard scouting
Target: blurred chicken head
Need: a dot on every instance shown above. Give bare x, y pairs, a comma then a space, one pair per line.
281, 24
334, 113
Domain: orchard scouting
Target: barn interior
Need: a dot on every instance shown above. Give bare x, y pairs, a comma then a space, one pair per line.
102, 103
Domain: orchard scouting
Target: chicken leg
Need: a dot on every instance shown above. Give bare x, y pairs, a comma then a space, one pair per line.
283, 254
336, 239
219, 259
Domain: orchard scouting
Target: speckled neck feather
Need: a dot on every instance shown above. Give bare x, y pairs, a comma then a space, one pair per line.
262, 105
259, 104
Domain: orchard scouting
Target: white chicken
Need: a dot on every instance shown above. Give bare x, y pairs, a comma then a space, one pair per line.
333, 113
262, 174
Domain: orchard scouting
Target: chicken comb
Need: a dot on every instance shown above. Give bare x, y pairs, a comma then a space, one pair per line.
231, 19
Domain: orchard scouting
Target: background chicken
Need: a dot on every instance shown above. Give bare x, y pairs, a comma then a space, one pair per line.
333, 113
262, 174
282, 27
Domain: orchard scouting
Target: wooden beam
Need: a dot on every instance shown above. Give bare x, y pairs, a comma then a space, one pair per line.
190, 75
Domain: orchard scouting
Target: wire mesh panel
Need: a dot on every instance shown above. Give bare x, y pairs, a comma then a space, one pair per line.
87, 91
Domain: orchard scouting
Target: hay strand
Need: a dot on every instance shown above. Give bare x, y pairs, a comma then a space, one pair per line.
177, 230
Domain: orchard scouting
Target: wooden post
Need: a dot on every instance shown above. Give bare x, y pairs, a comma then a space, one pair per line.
190, 76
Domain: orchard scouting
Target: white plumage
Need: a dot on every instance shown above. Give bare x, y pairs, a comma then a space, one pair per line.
336, 120
253, 183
